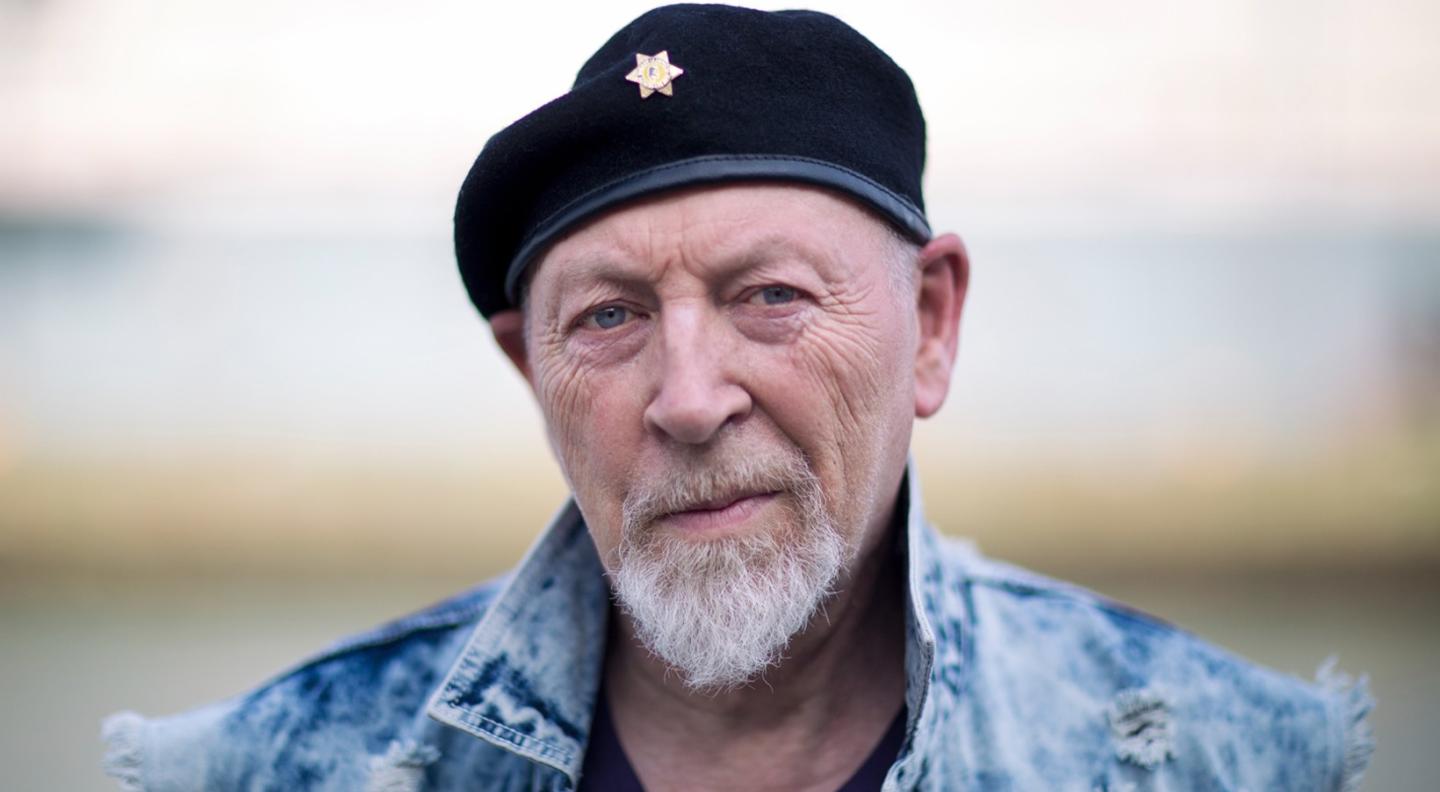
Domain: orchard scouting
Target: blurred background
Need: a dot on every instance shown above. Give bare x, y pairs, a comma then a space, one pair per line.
245, 407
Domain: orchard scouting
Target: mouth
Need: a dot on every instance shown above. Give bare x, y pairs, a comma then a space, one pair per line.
719, 513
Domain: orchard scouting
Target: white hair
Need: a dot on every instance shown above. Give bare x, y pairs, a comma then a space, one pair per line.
905, 255
720, 611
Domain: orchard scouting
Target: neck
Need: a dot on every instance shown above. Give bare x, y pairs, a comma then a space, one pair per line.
807, 723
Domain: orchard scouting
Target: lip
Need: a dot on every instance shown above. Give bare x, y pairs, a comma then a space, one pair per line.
719, 514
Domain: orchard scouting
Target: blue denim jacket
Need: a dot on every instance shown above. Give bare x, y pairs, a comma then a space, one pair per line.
1014, 682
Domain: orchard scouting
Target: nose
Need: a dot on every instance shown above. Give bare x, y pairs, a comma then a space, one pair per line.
697, 393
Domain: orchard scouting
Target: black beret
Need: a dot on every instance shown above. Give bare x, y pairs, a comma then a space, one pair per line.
693, 94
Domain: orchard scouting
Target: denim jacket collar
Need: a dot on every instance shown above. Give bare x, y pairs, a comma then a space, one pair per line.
527, 679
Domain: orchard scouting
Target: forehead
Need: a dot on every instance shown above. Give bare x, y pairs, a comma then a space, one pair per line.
715, 226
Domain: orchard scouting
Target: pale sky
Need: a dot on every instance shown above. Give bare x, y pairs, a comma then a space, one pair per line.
1112, 111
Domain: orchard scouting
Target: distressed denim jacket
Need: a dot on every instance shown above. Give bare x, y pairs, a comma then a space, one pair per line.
1014, 682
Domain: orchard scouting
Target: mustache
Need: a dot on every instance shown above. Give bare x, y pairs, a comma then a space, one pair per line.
691, 483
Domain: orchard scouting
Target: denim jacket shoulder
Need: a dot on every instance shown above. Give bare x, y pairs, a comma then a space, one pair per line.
1056, 687
1014, 682
339, 720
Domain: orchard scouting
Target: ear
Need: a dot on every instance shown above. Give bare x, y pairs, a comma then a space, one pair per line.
509, 329
940, 296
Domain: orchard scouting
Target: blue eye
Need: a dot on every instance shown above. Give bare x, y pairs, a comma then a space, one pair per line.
611, 316
777, 295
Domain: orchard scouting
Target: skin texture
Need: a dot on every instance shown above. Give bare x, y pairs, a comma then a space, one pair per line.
708, 323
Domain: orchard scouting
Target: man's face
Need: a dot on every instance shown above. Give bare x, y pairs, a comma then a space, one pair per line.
727, 379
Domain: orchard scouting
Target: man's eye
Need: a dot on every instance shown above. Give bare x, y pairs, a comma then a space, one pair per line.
777, 295
611, 316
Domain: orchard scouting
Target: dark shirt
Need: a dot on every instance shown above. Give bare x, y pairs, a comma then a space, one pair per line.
607, 769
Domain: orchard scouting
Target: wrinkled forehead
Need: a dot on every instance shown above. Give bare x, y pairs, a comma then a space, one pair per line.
712, 232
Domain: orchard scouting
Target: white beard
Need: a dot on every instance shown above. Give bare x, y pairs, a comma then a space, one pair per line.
721, 611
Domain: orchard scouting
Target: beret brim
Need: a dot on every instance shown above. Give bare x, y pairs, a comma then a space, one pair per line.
714, 169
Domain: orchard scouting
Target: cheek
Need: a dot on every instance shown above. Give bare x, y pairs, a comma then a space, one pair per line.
592, 416
579, 382
849, 362
842, 391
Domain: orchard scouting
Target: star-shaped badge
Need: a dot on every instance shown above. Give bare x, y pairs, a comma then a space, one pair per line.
655, 73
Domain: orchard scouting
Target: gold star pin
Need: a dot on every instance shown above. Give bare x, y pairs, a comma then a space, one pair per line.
655, 73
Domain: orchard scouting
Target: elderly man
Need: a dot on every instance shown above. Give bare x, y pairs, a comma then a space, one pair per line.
710, 262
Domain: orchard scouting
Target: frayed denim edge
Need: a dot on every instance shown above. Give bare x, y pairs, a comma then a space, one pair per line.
1356, 703
402, 768
123, 733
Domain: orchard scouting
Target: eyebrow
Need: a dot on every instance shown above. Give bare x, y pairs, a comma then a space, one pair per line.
601, 268
590, 269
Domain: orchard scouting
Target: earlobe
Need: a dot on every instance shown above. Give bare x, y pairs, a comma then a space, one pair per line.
944, 278
509, 329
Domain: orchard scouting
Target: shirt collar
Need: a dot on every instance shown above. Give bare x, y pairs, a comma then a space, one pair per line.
527, 679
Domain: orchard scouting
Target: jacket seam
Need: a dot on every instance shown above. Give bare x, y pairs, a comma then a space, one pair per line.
1060, 592
518, 739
